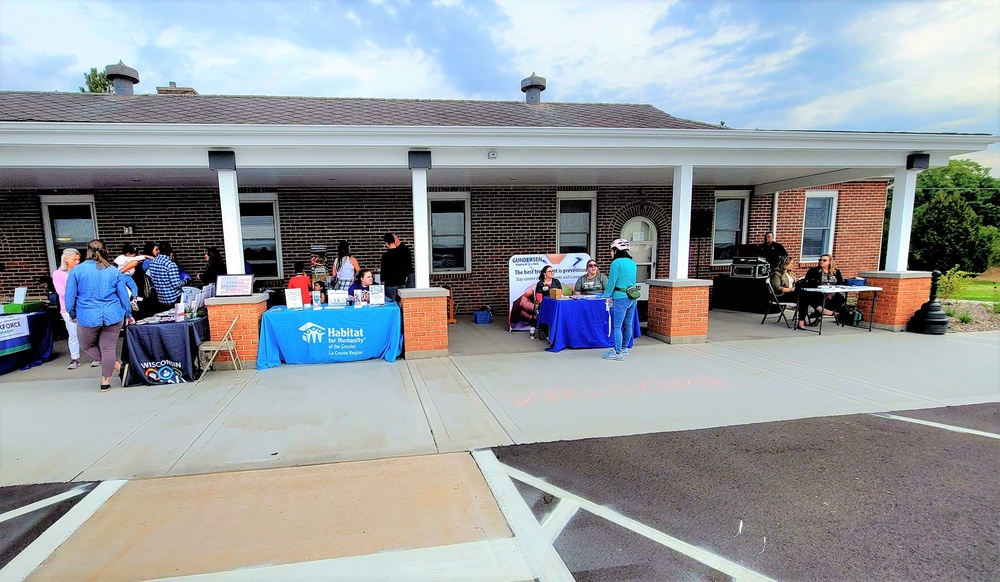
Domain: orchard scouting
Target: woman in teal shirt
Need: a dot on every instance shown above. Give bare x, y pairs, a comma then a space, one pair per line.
621, 276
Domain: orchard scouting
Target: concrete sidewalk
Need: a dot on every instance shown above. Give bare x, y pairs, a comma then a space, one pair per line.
57, 429
402, 510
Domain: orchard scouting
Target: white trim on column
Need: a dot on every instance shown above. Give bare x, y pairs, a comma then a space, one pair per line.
680, 222
421, 230
904, 190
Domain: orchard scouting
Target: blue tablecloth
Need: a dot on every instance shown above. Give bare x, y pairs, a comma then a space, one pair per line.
579, 323
164, 353
25, 351
316, 336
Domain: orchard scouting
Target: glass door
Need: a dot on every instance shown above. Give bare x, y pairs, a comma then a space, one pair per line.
642, 235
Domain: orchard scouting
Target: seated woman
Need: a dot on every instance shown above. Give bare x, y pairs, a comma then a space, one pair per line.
825, 273
364, 280
592, 283
546, 281
783, 280
321, 287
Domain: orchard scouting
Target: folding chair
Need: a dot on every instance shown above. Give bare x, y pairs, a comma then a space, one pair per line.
781, 305
226, 343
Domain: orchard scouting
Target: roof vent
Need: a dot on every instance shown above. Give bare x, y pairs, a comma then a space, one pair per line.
123, 78
532, 88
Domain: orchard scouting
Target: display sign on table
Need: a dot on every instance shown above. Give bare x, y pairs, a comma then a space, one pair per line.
523, 271
234, 285
20, 293
13, 334
293, 298
376, 295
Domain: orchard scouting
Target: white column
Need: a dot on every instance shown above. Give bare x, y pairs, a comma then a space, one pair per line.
421, 230
232, 231
680, 222
901, 219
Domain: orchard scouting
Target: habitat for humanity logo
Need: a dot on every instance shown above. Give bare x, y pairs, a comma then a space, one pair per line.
312, 333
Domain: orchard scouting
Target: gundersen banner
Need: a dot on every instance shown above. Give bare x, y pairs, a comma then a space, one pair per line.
523, 271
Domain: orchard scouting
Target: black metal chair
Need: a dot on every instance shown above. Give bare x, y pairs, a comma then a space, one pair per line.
781, 306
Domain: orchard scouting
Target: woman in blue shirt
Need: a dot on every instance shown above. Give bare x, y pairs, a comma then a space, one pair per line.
97, 300
621, 276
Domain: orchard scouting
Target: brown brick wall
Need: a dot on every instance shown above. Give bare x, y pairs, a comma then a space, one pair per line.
425, 324
678, 311
898, 300
247, 330
504, 221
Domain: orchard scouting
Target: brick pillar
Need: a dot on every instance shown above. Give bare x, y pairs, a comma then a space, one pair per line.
678, 310
425, 322
902, 294
222, 311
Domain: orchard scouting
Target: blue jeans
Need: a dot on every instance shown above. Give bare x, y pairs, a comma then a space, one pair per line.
622, 314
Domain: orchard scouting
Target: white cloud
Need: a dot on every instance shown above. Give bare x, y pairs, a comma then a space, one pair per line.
918, 61
80, 34
635, 51
350, 15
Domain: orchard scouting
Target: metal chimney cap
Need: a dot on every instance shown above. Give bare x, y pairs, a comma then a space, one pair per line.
533, 82
121, 71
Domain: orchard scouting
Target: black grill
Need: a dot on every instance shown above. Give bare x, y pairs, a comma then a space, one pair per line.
749, 268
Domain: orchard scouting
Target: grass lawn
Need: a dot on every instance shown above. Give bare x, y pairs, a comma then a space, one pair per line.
979, 290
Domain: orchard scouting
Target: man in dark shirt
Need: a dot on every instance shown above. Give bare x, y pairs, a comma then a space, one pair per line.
770, 250
397, 263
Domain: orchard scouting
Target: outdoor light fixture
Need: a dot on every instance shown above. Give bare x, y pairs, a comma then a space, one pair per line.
491, 155
918, 161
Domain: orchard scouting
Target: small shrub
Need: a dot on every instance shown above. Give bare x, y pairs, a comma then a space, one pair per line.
964, 317
949, 310
996, 307
953, 283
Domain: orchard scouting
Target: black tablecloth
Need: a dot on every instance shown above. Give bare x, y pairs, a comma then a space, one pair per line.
164, 353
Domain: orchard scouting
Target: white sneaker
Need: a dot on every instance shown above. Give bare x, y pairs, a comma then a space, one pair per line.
95, 364
625, 352
73, 364
613, 355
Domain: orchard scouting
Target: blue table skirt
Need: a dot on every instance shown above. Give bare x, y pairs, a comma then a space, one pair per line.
580, 323
164, 353
28, 351
317, 336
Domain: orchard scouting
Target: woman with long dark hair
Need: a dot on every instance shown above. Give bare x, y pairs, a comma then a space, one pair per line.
546, 282
621, 276
214, 268
97, 301
346, 266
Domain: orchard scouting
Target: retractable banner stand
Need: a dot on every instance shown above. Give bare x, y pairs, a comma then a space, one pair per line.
523, 271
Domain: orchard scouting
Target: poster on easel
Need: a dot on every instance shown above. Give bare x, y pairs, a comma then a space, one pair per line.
523, 271
317, 262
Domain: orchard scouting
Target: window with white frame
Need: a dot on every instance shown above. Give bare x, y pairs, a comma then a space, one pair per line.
730, 226
261, 235
70, 223
577, 222
817, 227
450, 232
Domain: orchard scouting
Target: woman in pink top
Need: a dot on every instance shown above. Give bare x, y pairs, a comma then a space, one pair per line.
70, 259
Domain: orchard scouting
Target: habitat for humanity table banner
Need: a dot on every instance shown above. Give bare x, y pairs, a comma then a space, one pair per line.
14, 334
523, 274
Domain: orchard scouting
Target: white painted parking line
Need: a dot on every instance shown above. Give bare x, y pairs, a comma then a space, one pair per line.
556, 520
25, 563
80, 490
482, 561
544, 560
960, 429
714, 561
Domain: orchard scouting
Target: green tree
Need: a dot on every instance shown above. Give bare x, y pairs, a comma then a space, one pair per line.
947, 232
97, 82
967, 178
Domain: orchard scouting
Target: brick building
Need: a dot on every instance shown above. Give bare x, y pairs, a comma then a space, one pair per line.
466, 184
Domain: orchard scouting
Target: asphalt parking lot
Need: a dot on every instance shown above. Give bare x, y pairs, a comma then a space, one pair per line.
858, 497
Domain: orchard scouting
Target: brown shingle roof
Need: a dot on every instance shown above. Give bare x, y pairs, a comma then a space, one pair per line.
261, 110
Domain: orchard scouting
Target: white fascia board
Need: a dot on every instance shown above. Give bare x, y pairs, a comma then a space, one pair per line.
232, 136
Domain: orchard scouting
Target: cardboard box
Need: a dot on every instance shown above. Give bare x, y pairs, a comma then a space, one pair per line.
556, 293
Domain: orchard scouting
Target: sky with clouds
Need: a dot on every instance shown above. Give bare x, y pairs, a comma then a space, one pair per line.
859, 65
